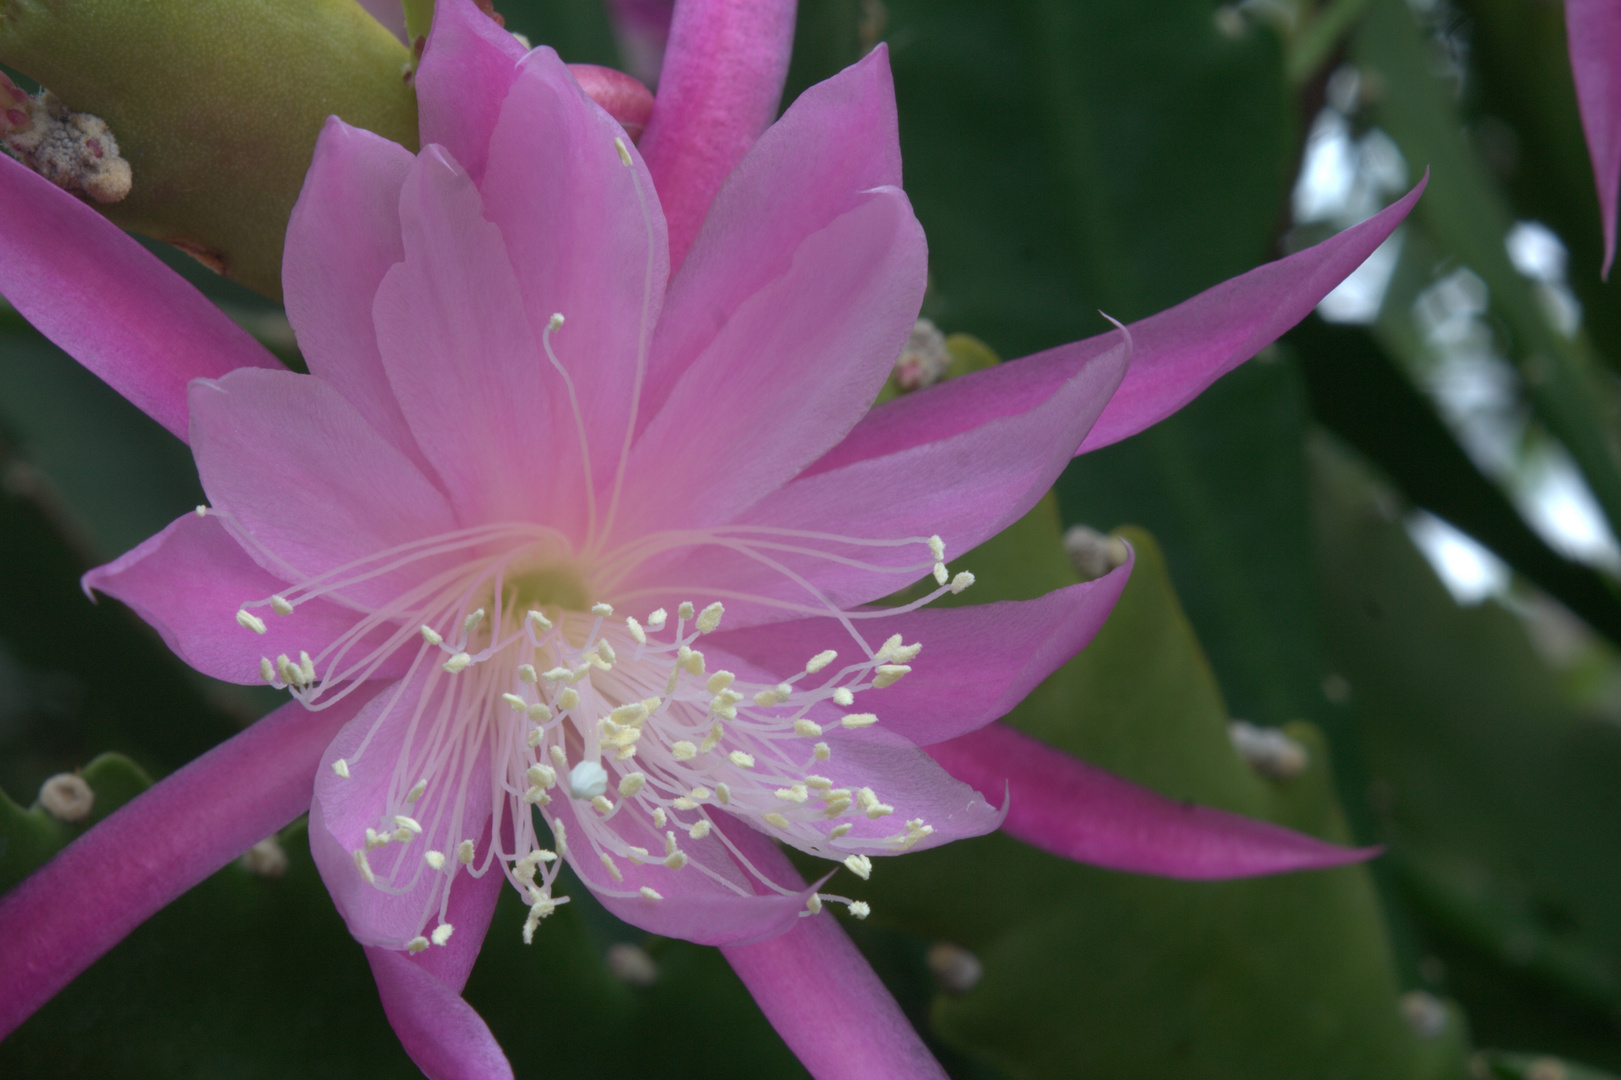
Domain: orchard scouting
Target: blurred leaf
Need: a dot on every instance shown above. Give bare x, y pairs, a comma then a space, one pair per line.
1360, 395
1498, 798
1528, 129
1223, 484
77, 677
1467, 218
578, 29
1066, 157
1089, 972
1497, 1065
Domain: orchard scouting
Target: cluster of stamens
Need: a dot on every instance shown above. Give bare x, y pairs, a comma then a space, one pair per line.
626, 719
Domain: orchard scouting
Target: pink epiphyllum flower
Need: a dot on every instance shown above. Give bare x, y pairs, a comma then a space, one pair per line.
1594, 31
549, 535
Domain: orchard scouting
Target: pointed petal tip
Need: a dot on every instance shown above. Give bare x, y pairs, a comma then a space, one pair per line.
1078, 811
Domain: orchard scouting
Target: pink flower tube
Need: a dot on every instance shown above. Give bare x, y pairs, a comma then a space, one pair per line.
567, 558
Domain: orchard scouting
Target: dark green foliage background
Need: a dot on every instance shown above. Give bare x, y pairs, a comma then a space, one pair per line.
1063, 158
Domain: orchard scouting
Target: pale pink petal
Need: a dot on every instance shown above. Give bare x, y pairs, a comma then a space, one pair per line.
825, 1000
460, 355
724, 68
287, 460
621, 96
880, 757
1177, 353
466, 69
585, 237
977, 662
155, 847
441, 1032
965, 488
343, 236
1079, 811
391, 13
455, 807
1594, 29
110, 303
790, 372
189, 581
472, 906
836, 142
693, 905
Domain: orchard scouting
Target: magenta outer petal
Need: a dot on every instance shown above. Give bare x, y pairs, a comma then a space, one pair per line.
977, 662
466, 70
1064, 806
1176, 354
825, 1000
189, 581
1594, 28
110, 303
149, 851
724, 68
441, 1032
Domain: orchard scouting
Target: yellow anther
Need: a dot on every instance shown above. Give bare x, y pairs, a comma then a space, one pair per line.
656, 620
457, 663
839, 830
341, 767
651, 893
280, 606
613, 870
700, 830
776, 819
568, 699
859, 720
720, 681
709, 618
432, 636
683, 750
416, 944
632, 783
808, 729
442, 932
517, 703
540, 622
464, 852
860, 866
602, 804
860, 910
821, 751
659, 817
364, 866
416, 790
249, 621
685, 609
889, 674
740, 759
821, 660
636, 631
843, 696
434, 859
527, 673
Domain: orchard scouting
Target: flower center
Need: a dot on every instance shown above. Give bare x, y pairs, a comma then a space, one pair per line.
619, 736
